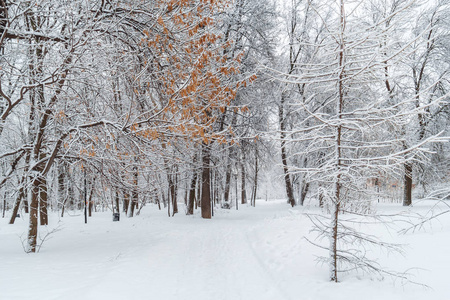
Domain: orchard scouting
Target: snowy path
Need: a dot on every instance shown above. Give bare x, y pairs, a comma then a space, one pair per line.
255, 253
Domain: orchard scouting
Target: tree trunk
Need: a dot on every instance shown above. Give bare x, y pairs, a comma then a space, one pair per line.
216, 188
33, 226
229, 167
19, 198
126, 202
287, 177
304, 185
206, 182
186, 193
236, 190
91, 202
163, 196
255, 183
334, 236
4, 207
174, 191
303, 192
134, 203
243, 189
320, 191
226, 195
336, 201
407, 184
117, 199
61, 186
71, 196
407, 180
63, 207
134, 193
168, 200
25, 191
199, 189
159, 202
190, 209
43, 197
16, 206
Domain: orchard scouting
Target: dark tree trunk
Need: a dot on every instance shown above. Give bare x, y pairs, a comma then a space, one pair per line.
4, 206
199, 189
43, 197
134, 202
24, 181
206, 182
190, 209
174, 193
33, 227
407, 185
159, 202
168, 201
163, 196
126, 202
407, 181
287, 177
117, 200
303, 192
255, 183
226, 195
215, 188
62, 195
134, 193
16, 206
228, 171
218, 188
186, 193
91, 202
63, 208
243, 177
19, 198
71, 196
236, 190
321, 202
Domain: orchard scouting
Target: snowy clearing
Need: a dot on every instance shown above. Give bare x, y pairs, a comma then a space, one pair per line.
253, 253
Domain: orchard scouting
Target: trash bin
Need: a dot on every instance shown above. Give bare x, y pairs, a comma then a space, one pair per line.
116, 217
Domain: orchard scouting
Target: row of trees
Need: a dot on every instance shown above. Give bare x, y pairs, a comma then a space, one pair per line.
127, 102
132, 99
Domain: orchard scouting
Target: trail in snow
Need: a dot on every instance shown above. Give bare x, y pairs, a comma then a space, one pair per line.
254, 253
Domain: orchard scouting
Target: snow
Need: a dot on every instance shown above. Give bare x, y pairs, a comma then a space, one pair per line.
254, 253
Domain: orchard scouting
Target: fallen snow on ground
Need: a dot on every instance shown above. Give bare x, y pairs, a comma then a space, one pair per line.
254, 253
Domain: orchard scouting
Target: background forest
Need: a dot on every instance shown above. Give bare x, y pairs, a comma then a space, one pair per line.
114, 105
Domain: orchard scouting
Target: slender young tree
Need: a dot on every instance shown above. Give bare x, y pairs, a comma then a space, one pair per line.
352, 125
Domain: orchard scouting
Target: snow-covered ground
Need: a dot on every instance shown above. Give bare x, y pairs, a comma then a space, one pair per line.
254, 253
